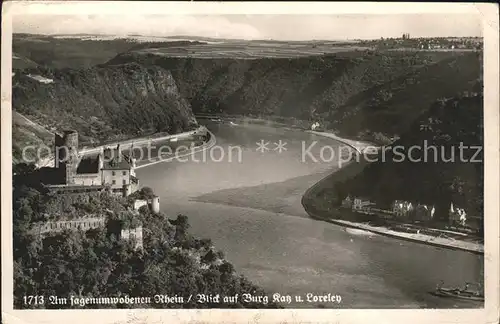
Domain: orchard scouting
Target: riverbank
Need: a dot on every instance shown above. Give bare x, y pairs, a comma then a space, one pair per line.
273, 121
136, 142
326, 214
200, 148
360, 146
412, 237
295, 124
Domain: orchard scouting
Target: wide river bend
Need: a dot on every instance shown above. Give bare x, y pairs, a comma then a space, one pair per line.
251, 209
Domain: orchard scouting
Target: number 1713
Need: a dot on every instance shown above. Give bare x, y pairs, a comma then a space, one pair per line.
33, 300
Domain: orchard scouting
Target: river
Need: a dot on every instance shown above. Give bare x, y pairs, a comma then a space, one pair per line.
251, 209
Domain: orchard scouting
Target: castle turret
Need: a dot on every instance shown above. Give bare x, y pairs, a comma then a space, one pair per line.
126, 190
155, 204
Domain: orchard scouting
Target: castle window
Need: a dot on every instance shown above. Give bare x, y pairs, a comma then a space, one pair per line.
124, 172
113, 173
114, 181
124, 181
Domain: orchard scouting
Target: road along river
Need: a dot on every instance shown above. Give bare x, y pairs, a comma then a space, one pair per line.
249, 203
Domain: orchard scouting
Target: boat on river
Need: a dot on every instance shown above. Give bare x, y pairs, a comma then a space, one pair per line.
460, 293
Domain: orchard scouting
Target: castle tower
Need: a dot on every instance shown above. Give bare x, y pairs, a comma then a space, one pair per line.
126, 190
66, 155
155, 204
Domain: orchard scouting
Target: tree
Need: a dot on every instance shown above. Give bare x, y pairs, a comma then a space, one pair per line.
23, 168
146, 193
95, 263
181, 227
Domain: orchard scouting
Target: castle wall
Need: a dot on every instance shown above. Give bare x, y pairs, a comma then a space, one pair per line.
93, 179
83, 224
139, 203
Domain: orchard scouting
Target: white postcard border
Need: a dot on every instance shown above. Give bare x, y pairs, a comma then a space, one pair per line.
489, 314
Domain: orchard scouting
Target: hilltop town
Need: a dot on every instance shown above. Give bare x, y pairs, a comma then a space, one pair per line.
406, 42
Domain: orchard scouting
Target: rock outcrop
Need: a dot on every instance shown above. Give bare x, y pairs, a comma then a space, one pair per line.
104, 103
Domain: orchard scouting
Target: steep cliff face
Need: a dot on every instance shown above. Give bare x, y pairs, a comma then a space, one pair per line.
103, 103
373, 96
357, 93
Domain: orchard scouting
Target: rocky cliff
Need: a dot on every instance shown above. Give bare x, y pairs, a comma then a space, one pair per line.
358, 93
103, 103
370, 95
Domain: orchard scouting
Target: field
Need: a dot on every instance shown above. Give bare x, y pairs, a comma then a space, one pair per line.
253, 50
84, 51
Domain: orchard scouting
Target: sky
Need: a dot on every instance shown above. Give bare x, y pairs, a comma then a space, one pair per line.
277, 27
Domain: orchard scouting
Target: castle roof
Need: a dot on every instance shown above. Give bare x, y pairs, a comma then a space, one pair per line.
113, 160
88, 165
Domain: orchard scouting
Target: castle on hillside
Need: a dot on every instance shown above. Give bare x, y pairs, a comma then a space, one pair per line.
110, 168
78, 177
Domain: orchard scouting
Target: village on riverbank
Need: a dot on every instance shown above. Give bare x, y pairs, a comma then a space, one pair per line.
407, 220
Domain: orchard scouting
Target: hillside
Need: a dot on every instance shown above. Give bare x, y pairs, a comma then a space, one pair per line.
26, 133
438, 177
48, 51
367, 95
97, 263
357, 93
20, 62
103, 103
